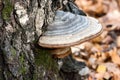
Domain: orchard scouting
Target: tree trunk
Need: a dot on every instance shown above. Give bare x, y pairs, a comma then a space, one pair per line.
21, 24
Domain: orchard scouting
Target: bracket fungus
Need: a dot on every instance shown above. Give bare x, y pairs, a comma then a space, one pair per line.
67, 30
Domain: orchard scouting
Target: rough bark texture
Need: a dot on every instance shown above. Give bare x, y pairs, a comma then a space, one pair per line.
21, 24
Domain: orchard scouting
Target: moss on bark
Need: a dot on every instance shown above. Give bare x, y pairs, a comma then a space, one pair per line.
7, 10
43, 57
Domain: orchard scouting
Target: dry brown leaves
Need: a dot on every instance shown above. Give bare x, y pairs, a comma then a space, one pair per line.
102, 54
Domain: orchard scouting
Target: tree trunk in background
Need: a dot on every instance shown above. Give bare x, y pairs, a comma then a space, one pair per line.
21, 22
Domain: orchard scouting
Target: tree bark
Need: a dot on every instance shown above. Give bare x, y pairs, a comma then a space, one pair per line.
21, 24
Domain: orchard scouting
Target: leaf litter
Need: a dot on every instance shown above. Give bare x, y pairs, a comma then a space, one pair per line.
102, 54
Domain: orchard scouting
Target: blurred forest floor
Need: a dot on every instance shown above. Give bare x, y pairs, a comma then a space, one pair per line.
102, 54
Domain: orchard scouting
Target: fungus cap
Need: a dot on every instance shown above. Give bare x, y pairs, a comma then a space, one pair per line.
69, 29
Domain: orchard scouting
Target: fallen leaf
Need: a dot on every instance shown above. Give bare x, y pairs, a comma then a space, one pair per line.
112, 68
96, 48
88, 46
101, 69
114, 56
99, 76
107, 76
107, 40
118, 41
90, 78
97, 39
92, 62
93, 7
78, 58
109, 19
104, 34
116, 76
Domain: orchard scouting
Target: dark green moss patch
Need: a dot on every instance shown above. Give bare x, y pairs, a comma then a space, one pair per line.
22, 61
13, 51
7, 9
44, 58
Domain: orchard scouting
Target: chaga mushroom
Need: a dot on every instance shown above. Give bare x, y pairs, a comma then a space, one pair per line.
67, 30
